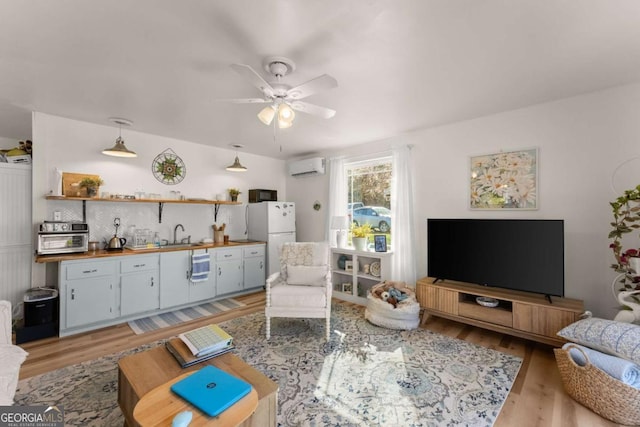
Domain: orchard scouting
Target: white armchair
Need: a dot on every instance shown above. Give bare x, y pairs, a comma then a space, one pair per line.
11, 357
303, 287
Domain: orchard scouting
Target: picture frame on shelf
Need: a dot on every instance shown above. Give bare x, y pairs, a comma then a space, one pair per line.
507, 180
380, 242
348, 265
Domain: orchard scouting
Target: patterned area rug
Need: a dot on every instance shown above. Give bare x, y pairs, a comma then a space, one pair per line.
366, 375
163, 320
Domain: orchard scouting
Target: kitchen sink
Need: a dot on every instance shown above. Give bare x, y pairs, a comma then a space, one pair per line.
180, 245
168, 246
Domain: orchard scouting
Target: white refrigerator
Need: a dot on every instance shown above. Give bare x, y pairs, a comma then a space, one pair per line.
274, 223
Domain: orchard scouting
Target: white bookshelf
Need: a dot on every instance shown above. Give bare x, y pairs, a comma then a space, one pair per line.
353, 285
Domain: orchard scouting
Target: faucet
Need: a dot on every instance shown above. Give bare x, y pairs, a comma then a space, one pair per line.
175, 233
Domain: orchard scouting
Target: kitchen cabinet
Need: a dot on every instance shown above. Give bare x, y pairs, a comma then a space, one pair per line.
88, 293
354, 273
176, 287
139, 284
228, 271
111, 289
253, 259
200, 291
174, 276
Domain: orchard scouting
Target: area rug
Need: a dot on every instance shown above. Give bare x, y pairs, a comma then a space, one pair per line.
364, 376
163, 320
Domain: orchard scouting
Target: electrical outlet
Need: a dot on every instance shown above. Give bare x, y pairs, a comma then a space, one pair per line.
57, 216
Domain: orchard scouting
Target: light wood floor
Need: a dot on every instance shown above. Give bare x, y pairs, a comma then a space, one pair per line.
537, 397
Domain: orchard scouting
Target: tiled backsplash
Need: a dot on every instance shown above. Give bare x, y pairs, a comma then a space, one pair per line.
197, 219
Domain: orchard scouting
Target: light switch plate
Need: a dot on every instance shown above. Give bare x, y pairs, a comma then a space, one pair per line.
57, 216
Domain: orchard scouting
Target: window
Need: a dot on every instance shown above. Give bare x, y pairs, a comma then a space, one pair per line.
369, 196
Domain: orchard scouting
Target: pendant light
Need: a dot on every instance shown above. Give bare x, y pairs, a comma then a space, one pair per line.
236, 166
119, 149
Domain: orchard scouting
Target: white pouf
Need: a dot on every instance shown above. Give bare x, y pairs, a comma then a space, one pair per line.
405, 316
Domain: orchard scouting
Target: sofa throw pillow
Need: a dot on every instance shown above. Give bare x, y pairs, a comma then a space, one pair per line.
608, 336
306, 275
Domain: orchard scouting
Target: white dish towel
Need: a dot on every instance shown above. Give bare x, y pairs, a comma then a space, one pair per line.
200, 267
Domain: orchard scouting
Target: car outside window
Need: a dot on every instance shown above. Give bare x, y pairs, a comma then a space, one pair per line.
369, 195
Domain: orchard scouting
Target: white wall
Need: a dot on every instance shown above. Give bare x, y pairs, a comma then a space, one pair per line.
582, 141
74, 146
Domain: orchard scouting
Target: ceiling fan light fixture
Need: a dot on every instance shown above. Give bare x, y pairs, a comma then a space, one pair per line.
283, 124
286, 113
266, 115
119, 149
285, 116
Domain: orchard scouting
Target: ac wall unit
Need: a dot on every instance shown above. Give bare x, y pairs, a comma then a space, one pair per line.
313, 166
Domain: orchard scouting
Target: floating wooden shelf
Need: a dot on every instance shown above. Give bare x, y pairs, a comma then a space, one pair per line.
160, 203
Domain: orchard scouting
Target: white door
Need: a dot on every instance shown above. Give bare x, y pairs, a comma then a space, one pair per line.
274, 243
281, 217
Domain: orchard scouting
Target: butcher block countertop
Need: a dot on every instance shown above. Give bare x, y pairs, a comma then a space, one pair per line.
124, 252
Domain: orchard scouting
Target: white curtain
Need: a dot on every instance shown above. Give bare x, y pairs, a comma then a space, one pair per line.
337, 196
403, 263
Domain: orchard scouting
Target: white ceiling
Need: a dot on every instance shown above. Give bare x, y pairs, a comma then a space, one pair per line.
400, 65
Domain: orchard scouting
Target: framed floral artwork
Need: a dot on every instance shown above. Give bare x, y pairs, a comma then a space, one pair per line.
505, 180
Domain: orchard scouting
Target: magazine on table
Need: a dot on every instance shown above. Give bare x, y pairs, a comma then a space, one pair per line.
185, 358
206, 339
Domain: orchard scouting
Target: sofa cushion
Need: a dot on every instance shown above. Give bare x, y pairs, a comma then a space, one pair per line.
608, 336
306, 275
298, 296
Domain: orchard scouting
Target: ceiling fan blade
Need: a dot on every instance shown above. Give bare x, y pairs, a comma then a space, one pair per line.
245, 101
318, 84
255, 78
315, 110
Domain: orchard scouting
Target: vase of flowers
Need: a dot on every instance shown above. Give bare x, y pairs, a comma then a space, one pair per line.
360, 236
233, 193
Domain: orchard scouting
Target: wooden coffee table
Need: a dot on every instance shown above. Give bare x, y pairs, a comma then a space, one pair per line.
142, 372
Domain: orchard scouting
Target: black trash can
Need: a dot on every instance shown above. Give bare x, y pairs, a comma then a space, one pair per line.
40, 306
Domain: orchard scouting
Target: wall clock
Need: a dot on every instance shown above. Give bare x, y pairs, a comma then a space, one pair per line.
168, 167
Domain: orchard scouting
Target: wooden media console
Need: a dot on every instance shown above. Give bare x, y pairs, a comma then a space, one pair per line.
522, 314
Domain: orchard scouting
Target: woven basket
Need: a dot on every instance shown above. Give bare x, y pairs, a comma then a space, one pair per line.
597, 390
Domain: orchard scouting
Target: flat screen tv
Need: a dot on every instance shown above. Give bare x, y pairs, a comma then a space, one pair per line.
520, 254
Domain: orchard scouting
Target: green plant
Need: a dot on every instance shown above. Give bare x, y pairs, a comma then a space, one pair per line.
234, 191
91, 182
360, 230
626, 218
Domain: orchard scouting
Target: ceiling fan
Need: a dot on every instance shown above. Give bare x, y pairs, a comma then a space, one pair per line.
283, 99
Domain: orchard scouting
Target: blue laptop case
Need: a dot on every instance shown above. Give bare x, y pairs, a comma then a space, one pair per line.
211, 390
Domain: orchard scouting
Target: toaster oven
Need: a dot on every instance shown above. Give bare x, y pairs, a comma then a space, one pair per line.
57, 237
